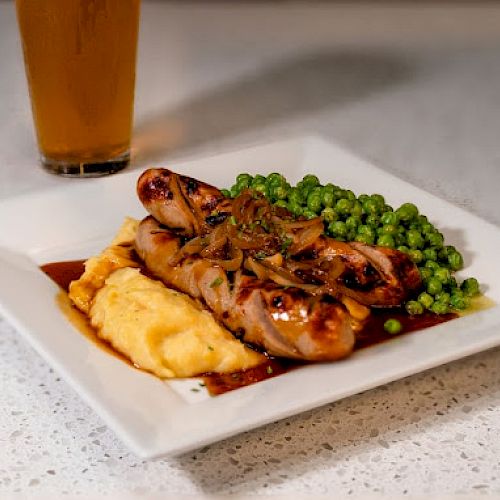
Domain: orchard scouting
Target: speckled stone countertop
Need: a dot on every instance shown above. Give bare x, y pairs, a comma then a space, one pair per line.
414, 90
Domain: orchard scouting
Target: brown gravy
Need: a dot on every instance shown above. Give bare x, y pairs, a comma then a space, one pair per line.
63, 273
217, 383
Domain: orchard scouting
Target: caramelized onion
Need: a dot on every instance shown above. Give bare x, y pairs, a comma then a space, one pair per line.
306, 238
255, 239
216, 242
280, 275
232, 264
192, 247
291, 225
257, 226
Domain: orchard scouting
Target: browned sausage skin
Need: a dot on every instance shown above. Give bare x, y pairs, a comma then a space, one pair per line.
182, 203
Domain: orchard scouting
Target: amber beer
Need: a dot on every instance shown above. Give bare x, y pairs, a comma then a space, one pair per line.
80, 64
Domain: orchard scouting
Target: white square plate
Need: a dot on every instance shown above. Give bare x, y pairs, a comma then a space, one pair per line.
154, 417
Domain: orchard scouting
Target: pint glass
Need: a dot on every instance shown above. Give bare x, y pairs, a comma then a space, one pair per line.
80, 65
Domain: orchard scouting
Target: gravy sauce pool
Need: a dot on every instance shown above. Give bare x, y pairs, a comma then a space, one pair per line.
216, 383
63, 273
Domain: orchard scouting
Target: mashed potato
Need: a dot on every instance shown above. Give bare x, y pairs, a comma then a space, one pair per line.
117, 256
162, 330
158, 329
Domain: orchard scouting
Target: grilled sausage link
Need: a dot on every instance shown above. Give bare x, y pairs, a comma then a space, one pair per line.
283, 321
182, 203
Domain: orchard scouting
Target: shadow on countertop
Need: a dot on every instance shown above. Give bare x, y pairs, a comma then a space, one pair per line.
295, 88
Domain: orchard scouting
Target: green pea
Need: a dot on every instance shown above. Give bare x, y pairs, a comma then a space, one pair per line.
440, 308
343, 206
425, 273
349, 195
434, 286
278, 193
261, 188
386, 240
379, 199
422, 219
416, 255
244, 180
455, 261
414, 308
309, 214
470, 287
400, 239
426, 299
388, 229
442, 255
337, 228
295, 208
443, 297
403, 248
295, 196
387, 208
371, 207
427, 228
362, 198
435, 239
353, 221
327, 196
459, 302
372, 220
431, 264
226, 193
239, 188
407, 212
390, 218
415, 226
305, 189
442, 274
275, 179
314, 200
258, 179
430, 254
452, 284
414, 238
393, 326
235, 191
329, 214
310, 180
449, 249
368, 230
351, 234
244, 177
364, 238
339, 193
357, 209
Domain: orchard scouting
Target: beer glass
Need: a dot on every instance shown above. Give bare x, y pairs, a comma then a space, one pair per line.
80, 64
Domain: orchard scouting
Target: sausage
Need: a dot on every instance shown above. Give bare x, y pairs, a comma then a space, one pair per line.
283, 321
